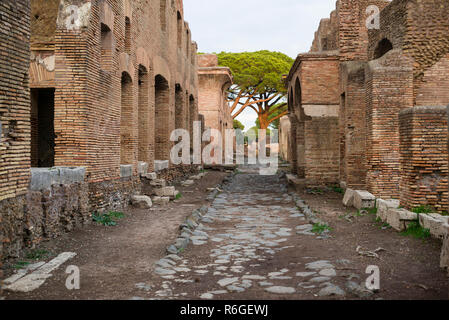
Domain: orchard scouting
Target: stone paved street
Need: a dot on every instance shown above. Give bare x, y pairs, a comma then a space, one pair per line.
237, 245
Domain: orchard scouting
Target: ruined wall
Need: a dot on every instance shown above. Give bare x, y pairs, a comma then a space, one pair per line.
212, 99
424, 166
352, 32
420, 29
284, 137
352, 125
314, 86
124, 73
389, 89
14, 121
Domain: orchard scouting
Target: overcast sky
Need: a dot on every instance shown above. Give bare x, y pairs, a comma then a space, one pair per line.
287, 26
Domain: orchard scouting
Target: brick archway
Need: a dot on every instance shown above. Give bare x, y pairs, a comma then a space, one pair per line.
162, 115
145, 129
126, 120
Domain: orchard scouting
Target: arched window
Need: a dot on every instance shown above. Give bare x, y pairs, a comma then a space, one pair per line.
179, 30
298, 93
126, 121
162, 115
127, 35
144, 116
106, 48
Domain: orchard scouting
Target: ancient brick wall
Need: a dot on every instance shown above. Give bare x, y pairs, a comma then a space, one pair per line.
352, 31
424, 166
420, 29
314, 86
389, 89
212, 99
353, 125
284, 137
15, 115
124, 73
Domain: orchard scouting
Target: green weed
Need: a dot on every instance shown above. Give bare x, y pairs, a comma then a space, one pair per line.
417, 231
108, 219
320, 228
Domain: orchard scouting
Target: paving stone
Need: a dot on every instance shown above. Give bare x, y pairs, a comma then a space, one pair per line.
322, 264
328, 273
280, 290
320, 279
227, 281
331, 290
305, 274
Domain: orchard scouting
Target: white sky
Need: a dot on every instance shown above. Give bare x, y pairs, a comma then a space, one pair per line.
287, 26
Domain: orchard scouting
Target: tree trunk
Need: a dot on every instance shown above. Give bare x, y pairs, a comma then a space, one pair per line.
263, 120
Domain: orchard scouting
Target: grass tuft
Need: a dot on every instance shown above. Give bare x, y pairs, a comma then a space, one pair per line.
417, 231
320, 228
423, 209
108, 219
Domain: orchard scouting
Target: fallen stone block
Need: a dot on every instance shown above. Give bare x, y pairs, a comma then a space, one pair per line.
165, 192
158, 183
162, 201
384, 205
160, 165
444, 262
36, 279
142, 202
435, 223
399, 219
197, 177
150, 176
348, 199
294, 180
187, 183
364, 200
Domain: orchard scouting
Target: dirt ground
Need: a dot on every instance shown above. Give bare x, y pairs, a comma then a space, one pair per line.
409, 267
113, 260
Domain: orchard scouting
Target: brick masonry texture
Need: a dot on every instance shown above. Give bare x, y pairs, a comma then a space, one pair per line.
213, 83
381, 72
14, 118
109, 82
424, 165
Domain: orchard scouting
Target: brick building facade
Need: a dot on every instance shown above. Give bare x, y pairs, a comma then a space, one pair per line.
93, 90
14, 120
380, 72
214, 81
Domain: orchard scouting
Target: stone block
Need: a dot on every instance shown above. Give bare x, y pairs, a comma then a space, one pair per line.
142, 202
294, 180
160, 165
165, 192
187, 183
126, 171
348, 199
142, 168
384, 205
44, 178
162, 201
435, 223
363, 200
151, 176
399, 219
444, 262
158, 183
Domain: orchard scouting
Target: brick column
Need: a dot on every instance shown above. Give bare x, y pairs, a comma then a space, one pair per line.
389, 89
424, 166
